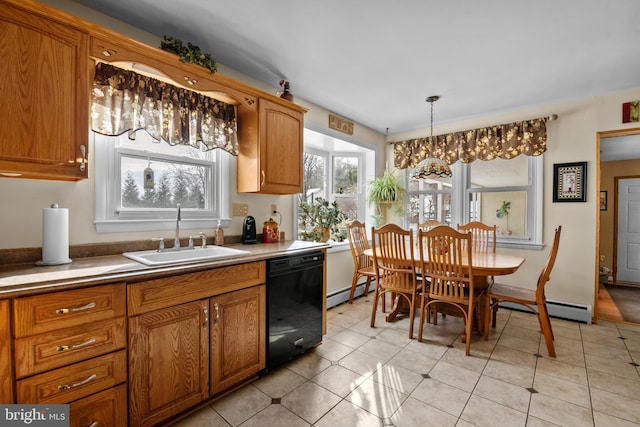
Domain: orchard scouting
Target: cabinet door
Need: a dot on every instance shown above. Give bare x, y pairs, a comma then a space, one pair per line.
270, 158
6, 376
168, 362
238, 340
44, 105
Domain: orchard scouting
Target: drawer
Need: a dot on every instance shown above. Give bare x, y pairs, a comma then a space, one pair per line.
43, 352
48, 312
105, 409
64, 385
167, 292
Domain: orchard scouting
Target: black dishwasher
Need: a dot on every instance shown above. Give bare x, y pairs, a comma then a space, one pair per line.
294, 305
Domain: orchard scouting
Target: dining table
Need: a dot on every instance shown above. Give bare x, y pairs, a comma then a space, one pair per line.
484, 264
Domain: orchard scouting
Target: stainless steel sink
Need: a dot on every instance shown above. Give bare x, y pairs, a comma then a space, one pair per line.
168, 256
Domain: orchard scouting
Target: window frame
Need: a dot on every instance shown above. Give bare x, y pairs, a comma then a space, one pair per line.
461, 206
109, 218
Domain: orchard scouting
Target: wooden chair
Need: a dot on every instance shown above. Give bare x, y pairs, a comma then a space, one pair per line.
484, 236
445, 257
362, 264
498, 293
395, 268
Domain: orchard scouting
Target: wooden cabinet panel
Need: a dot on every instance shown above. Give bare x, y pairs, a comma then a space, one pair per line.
168, 362
105, 409
74, 382
238, 337
44, 313
167, 292
39, 353
44, 65
271, 148
6, 376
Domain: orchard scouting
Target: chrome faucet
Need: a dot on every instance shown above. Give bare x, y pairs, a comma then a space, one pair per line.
176, 240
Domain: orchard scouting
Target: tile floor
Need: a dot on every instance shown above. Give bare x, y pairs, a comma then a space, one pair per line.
363, 376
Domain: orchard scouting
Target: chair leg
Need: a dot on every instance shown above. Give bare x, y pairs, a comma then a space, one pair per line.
354, 283
375, 306
467, 330
412, 314
494, 312
545, 326
366, 286
423, 309
487, 314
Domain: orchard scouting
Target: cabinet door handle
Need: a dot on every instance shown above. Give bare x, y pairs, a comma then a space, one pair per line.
83, 382
95, 424
217, 310
76, 346
83, 160
75, 309
205, 309
263, 178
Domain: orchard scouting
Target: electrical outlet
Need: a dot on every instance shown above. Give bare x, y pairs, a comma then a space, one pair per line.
274, 209
240, 209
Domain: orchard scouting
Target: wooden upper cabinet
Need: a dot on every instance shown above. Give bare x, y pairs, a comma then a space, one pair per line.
271, 147
44, 94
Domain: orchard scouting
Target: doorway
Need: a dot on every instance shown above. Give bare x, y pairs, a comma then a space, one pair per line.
618, 163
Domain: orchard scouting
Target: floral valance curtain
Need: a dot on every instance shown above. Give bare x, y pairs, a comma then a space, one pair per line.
504, 141
124, 101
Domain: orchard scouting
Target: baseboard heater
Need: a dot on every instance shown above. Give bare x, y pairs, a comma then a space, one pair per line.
342, 295
562, 310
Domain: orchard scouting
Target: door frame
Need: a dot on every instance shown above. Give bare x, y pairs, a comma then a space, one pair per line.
600, 135
615, 222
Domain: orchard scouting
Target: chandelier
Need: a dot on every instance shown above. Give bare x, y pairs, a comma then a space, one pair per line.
432, 167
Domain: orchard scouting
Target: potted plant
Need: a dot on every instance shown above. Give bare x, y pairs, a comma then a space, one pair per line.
318, 220
387, 192
503, 212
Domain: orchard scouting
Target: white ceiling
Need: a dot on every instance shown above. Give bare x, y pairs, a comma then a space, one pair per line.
375, 61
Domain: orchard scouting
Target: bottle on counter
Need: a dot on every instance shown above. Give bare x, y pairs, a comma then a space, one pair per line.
219, 237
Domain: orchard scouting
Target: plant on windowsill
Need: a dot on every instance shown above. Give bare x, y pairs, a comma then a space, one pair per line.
503, 212
319, 221
189, 53
386, 192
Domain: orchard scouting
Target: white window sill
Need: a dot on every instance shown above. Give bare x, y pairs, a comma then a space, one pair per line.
133, 225
338, 247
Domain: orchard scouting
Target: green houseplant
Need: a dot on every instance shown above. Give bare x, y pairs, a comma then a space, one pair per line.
386, 191
319, 220
503, 212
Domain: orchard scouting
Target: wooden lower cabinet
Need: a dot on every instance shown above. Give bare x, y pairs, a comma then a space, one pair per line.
6, 382
168, 362
238, 340
105, 409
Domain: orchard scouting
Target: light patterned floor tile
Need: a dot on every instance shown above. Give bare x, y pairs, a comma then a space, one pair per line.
485, 413
562, 389
275, 415
616, 405
414, 413
346, 414
516, 375
241, 405
559, 412
310, 401
576, 374
377, 398
279, 382
447, 398
339, 380
503, 393
455, 376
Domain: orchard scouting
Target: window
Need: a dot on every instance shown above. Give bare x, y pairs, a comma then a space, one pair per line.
477, 192
337, 170
139, 183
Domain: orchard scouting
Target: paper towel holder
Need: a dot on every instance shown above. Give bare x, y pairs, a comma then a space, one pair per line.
65, 257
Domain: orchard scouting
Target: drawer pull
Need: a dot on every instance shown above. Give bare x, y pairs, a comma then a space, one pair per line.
95, 424
83, 382
76, 346
217, 310
206, 315
75, 309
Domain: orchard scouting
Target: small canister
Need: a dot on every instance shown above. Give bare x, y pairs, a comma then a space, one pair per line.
270, 232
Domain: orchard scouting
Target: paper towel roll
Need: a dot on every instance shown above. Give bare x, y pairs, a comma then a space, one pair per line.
55, 236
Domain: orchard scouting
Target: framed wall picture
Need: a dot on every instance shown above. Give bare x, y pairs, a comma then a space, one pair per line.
603, 200
570, 182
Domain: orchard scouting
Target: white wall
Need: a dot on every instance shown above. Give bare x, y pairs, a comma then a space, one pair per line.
24, 199
571, 138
